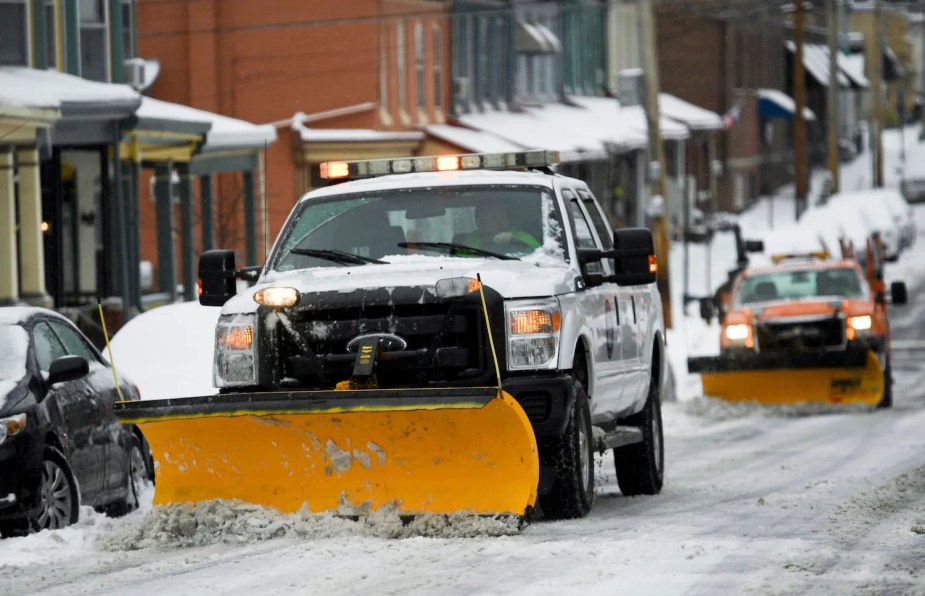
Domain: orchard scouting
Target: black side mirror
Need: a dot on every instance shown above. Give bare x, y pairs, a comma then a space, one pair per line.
586, 256
706, 309
67, 368
754, 246
898, 292
216, 277
634, 257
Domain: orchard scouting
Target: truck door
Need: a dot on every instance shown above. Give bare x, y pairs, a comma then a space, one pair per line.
601, 312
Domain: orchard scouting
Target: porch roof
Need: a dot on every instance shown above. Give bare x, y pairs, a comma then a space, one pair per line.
223, 133
76, 98
692, 116
476, 141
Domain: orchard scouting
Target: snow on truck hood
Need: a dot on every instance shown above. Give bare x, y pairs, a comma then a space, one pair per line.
512, 279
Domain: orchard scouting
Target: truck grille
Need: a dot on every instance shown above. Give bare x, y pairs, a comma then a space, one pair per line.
445, 339
801, 335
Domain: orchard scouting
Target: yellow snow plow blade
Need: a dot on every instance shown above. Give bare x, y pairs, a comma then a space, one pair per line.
839, 383
346, 452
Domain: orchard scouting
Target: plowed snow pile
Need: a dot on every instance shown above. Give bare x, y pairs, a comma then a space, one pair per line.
233, 522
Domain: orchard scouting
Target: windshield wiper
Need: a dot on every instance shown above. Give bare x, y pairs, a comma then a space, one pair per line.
338, 256
454, 248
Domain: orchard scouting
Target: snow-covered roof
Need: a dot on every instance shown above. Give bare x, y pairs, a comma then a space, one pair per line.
477, 141
692, 116
226, 132
816, 62
579, 130
784, 101
30, 87
853, 66
629, 119
349, 135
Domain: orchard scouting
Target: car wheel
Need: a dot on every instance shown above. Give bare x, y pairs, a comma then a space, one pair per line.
887, 401
572, 457
59, 498
641, 466
137, 479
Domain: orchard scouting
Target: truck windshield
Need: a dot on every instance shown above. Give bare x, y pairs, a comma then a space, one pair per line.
390, 225
801, 284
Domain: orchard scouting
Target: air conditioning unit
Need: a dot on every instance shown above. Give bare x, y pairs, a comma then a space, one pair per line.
134, 73
461, 88
631, 87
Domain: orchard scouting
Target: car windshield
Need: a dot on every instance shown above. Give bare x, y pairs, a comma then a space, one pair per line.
801, 284
388, 225
14, 345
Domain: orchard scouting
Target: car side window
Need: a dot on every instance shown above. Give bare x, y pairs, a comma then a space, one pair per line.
74, 343
597, 219
48, 347
583, 236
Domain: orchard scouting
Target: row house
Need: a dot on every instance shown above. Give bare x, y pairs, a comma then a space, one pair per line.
77, 137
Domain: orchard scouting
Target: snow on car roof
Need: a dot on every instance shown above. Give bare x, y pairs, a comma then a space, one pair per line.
13, 315
798, 264
425, 179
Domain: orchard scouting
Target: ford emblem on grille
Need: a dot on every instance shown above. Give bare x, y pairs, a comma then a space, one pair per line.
388, 342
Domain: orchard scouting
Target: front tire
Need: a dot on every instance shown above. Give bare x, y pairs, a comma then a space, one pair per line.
641, 467
59, 498
136, 479
572, 456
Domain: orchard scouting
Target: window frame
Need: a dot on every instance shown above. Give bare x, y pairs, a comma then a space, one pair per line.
419, 64
100, 27
437, 41
26, 43
402, 67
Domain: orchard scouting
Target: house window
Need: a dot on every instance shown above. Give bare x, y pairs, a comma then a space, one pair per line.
419, 61
400, 58
94, 48
128, 29
51, 34
384, 72
14, 43
484, 48
438, 66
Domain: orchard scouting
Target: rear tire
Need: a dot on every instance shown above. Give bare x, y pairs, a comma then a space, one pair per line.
641, 467
572, 456
59, 498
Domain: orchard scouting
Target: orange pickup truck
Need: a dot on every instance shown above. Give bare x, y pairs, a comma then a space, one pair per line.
806, 329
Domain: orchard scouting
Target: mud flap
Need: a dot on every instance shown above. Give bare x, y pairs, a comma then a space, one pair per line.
347, 452
834, 378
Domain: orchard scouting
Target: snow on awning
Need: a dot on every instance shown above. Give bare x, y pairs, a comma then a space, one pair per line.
816, 63
355, 135
620, 124
476, 141
30, 87
692, 116
535, 38
225, 132
773, 103
853, 67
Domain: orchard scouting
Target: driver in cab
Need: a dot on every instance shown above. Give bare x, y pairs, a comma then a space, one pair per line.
493, 228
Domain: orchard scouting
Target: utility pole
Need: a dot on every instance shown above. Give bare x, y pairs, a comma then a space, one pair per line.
831, 95
799, 124
656, 153
876, 69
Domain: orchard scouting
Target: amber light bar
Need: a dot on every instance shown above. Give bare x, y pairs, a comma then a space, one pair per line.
369, 168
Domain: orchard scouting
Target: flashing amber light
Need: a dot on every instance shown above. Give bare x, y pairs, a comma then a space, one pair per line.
447, 162
238, 338
45, 226
653, 264
199, 287
474, 285
277, 297
526, 322
335, 169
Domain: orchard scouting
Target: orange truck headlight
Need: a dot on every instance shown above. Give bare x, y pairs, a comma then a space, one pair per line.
858, 326
738, 334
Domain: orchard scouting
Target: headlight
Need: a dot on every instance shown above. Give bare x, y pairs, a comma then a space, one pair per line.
12, 426
738, 334
235, 351
858, 326
532, 334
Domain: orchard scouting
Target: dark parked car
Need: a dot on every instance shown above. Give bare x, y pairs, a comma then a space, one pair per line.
61, 445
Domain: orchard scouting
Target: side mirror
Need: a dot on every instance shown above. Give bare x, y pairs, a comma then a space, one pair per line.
585, 256
634, 257
67, 368
216, 277
706, 309
898, 292
754, 246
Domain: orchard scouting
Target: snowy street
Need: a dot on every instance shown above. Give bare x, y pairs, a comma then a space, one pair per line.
788, 500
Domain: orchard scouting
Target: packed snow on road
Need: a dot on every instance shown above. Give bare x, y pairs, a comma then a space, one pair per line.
780, 500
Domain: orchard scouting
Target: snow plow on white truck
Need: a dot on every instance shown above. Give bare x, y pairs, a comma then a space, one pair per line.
438, 335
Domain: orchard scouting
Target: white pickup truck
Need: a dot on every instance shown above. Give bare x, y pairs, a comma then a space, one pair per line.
572, 306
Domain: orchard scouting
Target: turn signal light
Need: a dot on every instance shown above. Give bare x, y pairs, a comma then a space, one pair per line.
447, 162
335, 169
527, 322
237, 338
277, 297
653, 264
